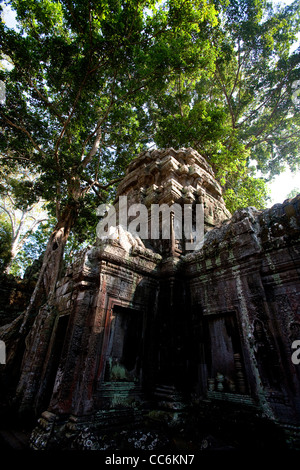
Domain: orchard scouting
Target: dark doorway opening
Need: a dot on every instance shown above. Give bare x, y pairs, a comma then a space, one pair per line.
124, 352
225, 359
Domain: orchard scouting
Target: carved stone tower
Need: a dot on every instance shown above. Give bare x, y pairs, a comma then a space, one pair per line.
168, 177
138, 324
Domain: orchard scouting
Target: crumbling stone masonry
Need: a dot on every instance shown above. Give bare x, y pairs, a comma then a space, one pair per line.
141, 328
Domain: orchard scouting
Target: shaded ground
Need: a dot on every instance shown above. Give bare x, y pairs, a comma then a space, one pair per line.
122, 440
215, 431
14, 439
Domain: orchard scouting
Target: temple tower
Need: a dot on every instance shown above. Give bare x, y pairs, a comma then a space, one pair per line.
173, 178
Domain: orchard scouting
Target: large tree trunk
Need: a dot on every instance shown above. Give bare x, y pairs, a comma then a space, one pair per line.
13, 254
52, 264
16, 335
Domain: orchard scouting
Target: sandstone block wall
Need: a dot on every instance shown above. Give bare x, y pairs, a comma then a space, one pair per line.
133, 324
246, 278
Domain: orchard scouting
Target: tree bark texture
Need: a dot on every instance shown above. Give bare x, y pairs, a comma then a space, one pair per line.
18, 336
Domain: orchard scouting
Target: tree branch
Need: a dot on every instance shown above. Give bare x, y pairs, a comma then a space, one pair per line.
30, 230
261, 130
97, 132
25, 131
11, 220
228, 98
4, 157
93, 183
67, 121
238, 70
46, 101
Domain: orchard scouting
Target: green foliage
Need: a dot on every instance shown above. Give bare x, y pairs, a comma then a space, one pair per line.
94, 83
249, 191
240, 108
5, 242
82, 73
33, 249
84, 234
293, 193
22, 210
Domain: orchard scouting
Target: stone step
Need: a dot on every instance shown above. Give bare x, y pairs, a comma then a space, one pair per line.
111, 418
120, 389
167, 392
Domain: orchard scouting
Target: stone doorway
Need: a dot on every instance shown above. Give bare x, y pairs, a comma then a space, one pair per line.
225, 362
54, 354
124, 350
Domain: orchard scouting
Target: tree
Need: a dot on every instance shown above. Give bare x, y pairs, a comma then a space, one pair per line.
240, 114
30, 255
5, 243
74, 110
293, 193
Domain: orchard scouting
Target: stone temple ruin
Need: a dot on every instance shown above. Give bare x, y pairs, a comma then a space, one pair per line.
141, 331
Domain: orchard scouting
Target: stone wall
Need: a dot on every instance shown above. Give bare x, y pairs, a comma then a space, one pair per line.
14, 294
133, 330
248, 273
65, 363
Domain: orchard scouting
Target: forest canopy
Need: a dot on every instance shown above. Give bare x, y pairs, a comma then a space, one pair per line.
92, 83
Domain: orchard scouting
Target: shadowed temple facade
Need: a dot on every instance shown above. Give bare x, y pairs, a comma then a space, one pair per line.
146, 334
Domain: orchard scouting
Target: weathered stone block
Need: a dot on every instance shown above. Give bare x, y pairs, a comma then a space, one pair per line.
144, 324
